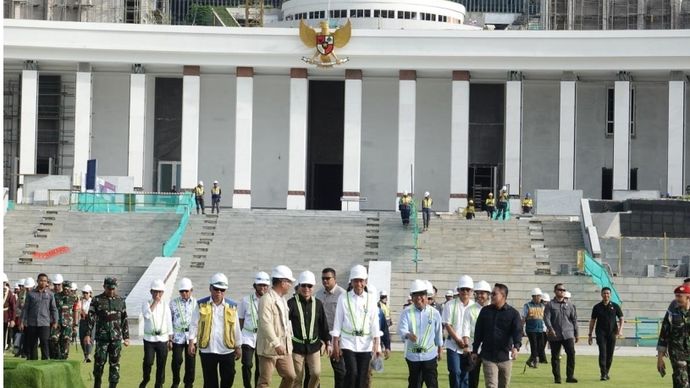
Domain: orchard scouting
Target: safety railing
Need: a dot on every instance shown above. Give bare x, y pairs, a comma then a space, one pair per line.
600, 276
129, 202
414, 221
171, 245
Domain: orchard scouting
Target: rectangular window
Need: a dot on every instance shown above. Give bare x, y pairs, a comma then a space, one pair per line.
360, 13
353, 13
610, 112
367, 13
311, 15
322, 14
377, 13
391, 14
400, 14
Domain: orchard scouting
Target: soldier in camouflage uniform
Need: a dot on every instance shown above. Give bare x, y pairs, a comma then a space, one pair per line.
108, 315
61, 336
674, 339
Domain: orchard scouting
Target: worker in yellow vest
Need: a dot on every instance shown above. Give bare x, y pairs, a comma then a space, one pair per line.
404, 207
469, 210
215, 197
219, 344
527, 204
490, 205
426, 209
199, 197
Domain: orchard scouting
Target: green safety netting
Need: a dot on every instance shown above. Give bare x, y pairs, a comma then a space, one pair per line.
170, 246
20, 373
600, 276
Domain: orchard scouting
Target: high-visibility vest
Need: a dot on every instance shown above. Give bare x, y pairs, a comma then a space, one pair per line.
199, 191
206, 321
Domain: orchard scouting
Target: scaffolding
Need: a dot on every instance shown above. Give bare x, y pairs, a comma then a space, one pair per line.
11, 113
101, 11
55, 125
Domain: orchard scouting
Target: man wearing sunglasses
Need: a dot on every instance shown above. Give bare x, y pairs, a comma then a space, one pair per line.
310, 330
249, 322
216, 331
560, 319
329, 295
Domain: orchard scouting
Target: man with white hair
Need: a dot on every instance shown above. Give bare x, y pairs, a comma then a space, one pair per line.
181, 310
248, 313
533, 323
158, 334
453, 315
356, 331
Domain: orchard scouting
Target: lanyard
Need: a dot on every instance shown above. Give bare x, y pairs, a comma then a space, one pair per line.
301, 319
153, 321
252, 310
454, 318
414, 324
352, 314
183, 314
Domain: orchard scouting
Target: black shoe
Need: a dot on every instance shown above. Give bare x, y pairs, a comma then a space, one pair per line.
607, 377
557, 380
571, 380
602, 378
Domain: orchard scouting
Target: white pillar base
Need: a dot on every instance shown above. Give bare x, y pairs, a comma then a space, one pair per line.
455, 203
296, 202
350, 206
242, 201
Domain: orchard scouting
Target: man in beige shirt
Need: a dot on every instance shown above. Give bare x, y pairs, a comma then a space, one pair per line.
274, 338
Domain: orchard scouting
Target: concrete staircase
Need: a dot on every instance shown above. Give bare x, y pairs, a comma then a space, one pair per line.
101, 245
562, 240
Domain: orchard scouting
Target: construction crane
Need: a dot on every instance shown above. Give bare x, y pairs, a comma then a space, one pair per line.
254, 13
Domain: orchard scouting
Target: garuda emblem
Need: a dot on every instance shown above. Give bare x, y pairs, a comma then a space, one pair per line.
325, 42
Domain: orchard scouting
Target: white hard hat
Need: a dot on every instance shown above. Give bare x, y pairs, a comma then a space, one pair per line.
405, 192
418, 286
157, 285
29, 283
201, 183
87, 288
504, 188
262, 278
18, 284
22, 281
426, 194
536, 291
429, 288
219, 280
4, 278
465, 282
383, 293
74, 286
57, 279
567, 295
449, 293
282, 272
482, 285
358, 272
215, 182
306, 277
545, 297
185, 284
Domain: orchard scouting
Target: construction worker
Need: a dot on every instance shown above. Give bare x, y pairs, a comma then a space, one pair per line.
502, 203
310, 331
469, 210
181, 310
482, 292
86, 296
108, 316
420, 328
674, 337
249, 323
383, 305
533, 323
215, 330
404, 205
453, 315
158, 334
527, 204
215, 197
426, 209
199, 197
490, 205
356, 329
274, 338
608, 318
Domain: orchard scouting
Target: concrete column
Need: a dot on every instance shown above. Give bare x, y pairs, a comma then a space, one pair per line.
566, 148
297, 170
352, 139
459, 139
513, 136
137, 128
676, 138
82, 124
244, 111
28, 123
407, 113
191, 96
621, 136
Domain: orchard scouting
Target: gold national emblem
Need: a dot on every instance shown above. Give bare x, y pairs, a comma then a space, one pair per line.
325, 42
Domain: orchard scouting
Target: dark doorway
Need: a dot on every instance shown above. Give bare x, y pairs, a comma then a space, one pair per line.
487, 124
167, 126
482, 180
325, 144
607, 182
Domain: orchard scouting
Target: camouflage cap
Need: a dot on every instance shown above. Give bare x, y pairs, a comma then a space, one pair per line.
66, 285
110, 282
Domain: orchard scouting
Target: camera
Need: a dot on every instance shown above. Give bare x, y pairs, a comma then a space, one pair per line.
157, 332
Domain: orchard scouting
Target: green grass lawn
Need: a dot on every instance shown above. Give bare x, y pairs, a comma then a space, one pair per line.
626, 372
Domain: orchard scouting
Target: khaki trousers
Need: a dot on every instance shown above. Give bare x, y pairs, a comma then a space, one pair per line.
286, 371
497, 374
313, 362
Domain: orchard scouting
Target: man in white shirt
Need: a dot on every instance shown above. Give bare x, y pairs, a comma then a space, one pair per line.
356, 332
482, 294
421, 330
216, 331
248, 313
182, 308
453, 314
329, 296
157, 334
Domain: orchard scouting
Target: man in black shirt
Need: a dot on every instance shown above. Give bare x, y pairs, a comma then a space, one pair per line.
604, 314
499, 333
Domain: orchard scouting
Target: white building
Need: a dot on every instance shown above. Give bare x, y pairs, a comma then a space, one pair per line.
460, 112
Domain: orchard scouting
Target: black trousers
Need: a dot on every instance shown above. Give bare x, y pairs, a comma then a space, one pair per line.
212, 364
32, 336
606, 344
249, 359
474, 374
569, 346
179, 353
536, 347
339, 372
422, 372
159, 350
199, 204
357, 366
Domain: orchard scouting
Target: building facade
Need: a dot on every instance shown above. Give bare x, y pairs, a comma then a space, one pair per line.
456, 113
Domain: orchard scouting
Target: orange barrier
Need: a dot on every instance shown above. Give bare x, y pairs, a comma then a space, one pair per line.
49, 254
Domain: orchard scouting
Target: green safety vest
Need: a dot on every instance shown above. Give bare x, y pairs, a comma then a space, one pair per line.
421, 344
